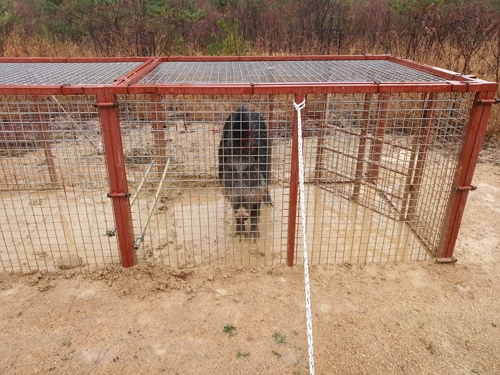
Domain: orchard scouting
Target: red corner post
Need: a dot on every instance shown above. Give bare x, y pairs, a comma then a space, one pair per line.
294, 186
110, 123
476, 128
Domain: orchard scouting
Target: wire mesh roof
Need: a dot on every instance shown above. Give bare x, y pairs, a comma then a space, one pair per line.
49, 73
285, 72
215, 72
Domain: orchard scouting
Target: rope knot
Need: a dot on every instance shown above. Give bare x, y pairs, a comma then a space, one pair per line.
299, 107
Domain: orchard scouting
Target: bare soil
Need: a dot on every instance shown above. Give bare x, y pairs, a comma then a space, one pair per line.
389, 318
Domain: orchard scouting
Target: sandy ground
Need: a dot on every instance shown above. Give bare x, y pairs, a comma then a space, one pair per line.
390, 318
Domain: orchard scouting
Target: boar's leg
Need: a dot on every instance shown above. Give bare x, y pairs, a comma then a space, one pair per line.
254, 222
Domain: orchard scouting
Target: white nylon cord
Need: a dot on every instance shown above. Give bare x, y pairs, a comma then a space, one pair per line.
298, 108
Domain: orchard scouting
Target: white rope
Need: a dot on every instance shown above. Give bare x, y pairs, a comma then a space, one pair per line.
298, 108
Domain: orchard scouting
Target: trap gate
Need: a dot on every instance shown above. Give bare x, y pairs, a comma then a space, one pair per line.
114, 160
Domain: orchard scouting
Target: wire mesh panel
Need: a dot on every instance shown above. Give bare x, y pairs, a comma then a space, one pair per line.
378, 173
193, 181
49, 73
285, 71
171, 145
53, 182
380, 170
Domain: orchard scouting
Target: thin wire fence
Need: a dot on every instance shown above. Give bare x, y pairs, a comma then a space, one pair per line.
285, 71
53, 183
378, 171
379, 168
192, 222
50, 73
381, 174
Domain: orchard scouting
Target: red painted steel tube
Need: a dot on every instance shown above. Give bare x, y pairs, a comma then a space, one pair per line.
310, 88
489, 101
294, 186
192, 89
139, 72
476, 129
272, 58
59, 89
251, 89
115, 161
290, 88
443, 73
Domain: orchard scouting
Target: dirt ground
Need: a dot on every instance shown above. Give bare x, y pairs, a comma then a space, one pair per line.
390, 318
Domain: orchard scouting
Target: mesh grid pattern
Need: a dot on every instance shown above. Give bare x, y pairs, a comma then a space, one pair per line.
94, 73
378, 174
379, 168
354, 214
393, 160
192, 222
285, 72
53, 185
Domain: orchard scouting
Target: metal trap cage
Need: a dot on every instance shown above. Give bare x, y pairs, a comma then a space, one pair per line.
116, 160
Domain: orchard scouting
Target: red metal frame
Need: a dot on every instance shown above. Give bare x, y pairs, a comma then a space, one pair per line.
476, 129
136, 74
294, 187
115, 161
127, 84
251, 89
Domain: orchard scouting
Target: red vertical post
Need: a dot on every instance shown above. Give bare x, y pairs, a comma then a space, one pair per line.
376, 149
294, 186
115, 160
476, 128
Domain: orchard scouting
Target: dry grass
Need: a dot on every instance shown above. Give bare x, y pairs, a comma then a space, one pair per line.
483, 63
493, 129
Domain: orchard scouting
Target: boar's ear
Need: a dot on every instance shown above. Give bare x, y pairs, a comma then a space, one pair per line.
232, 118
239, 120
242, 109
